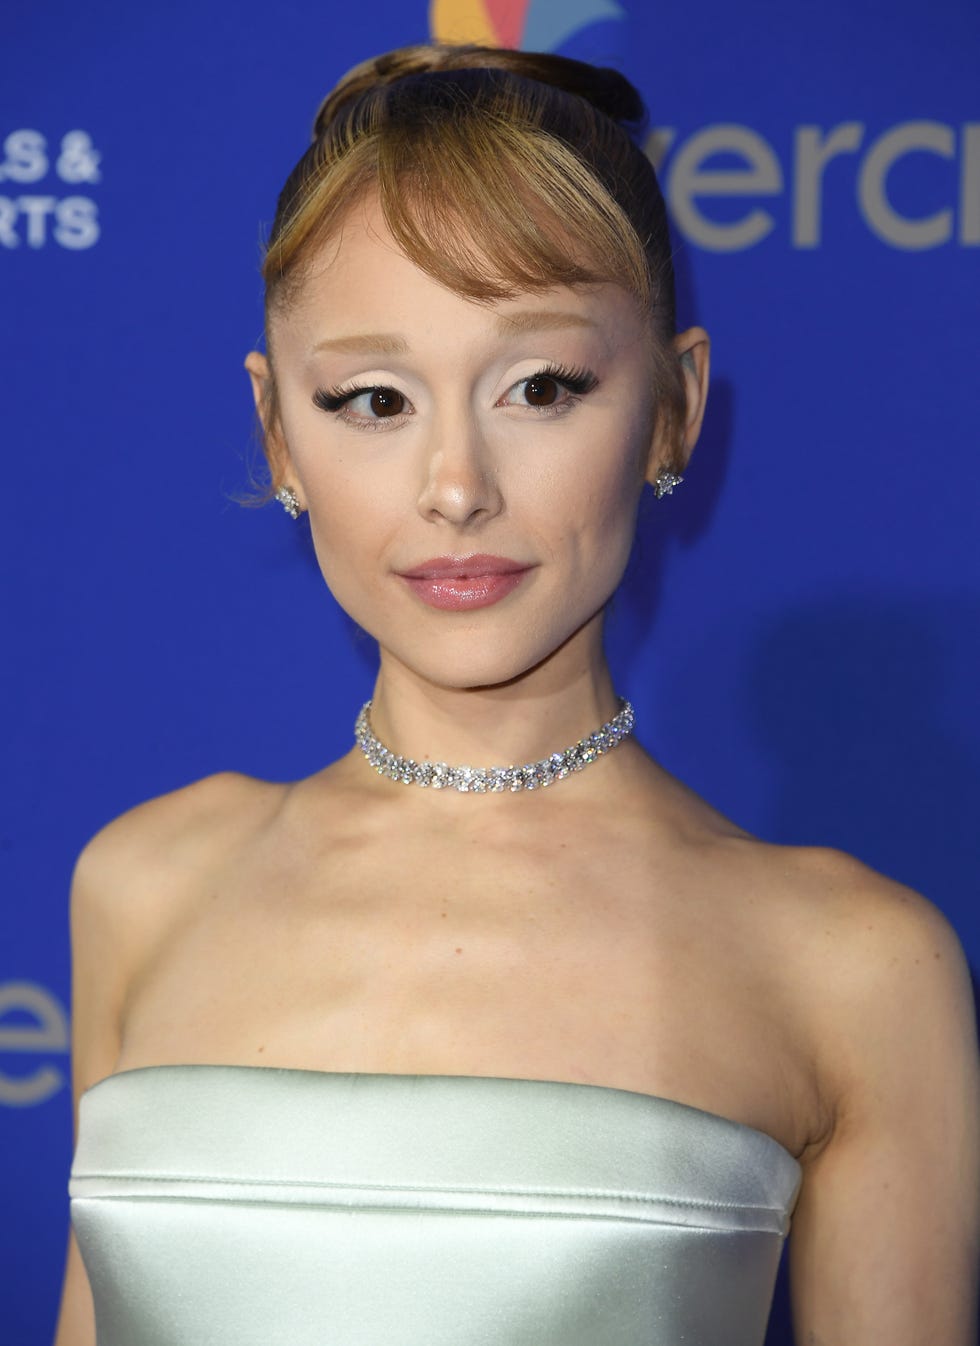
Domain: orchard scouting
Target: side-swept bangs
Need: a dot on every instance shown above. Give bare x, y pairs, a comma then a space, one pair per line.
480, 198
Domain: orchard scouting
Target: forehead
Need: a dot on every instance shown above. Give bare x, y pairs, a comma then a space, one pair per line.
360, 278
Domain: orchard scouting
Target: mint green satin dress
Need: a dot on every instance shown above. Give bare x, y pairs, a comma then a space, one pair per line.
251, 1206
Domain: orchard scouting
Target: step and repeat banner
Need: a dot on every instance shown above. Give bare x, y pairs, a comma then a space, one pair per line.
800, 625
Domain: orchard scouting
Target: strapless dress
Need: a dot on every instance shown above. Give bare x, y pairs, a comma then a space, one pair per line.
254, 1206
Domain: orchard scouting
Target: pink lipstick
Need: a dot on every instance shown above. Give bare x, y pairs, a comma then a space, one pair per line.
460, 583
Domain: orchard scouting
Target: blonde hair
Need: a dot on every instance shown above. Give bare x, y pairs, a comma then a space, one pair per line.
497, 172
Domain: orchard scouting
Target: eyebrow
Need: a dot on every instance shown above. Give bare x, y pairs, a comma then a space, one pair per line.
384, 343
365, 343
534, 319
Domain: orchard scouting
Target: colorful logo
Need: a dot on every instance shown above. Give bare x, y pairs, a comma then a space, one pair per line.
531, 25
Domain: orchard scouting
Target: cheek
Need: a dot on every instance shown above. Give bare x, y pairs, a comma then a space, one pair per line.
599, 498
353, 516
344, 485
346, 526
347, 548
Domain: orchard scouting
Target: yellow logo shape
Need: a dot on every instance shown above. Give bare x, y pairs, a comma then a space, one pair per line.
470, 21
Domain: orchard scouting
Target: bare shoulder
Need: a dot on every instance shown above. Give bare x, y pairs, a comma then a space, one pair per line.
835, 922
878, 976
154, 854
873, 931
857, 934
839, 925
181, 826
130, 884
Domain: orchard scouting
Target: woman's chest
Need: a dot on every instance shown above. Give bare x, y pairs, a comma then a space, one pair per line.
527, 964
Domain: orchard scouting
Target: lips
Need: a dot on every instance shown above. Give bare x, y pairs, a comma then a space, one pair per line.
462, 583
463, 568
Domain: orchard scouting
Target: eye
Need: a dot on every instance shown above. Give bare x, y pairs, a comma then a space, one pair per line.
542, 391
551, 390
383, 401
362, 406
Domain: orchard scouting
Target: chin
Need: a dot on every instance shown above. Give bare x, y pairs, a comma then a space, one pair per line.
488, 648
469, 659
470, 673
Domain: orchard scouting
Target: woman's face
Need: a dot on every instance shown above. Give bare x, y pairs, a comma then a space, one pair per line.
472, 471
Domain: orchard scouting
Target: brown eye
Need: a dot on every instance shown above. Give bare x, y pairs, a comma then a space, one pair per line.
386, 402
541, 391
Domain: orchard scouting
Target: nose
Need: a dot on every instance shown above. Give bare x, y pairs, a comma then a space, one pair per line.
460, 484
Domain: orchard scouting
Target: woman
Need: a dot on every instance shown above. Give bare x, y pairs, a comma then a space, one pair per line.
554, 1065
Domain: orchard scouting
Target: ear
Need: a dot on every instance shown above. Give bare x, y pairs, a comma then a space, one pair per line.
266, 405
693, 348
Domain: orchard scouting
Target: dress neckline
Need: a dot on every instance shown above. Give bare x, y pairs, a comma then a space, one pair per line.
657, 1099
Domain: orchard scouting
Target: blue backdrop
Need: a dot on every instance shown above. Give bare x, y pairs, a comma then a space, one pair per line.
800, 626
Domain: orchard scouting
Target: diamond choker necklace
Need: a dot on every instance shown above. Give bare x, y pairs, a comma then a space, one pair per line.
493, 779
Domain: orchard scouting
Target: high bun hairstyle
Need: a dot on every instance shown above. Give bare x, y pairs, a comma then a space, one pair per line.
497, 172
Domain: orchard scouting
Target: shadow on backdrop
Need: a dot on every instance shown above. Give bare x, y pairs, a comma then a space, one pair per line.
675, 521
854, 703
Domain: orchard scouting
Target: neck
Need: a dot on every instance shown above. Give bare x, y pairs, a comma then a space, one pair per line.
531, 717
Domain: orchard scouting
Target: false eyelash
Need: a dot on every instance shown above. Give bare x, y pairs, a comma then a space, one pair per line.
333, 399
577, 381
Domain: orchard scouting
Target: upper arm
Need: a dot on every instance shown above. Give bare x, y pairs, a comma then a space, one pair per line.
99, 921
98, 984
885, 1235
127, 885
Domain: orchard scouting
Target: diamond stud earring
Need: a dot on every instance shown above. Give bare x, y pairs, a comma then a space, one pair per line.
289, 500
665, 483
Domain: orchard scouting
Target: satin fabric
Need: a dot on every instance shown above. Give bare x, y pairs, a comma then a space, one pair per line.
251, 1206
